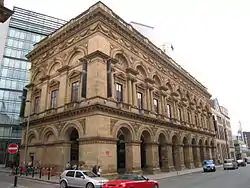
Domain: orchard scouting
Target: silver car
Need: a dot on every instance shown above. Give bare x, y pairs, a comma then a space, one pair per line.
230, 164
80, 178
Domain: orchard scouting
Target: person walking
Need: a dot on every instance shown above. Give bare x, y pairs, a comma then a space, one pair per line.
94, 170
68, 166
99, 171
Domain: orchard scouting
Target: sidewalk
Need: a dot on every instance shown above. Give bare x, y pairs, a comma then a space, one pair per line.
176, 173
159, 176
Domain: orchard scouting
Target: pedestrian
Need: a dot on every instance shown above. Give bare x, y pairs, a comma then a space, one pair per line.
99, 171
94, 170
67, 167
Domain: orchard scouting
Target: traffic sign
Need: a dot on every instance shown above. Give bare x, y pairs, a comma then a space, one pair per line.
12, 148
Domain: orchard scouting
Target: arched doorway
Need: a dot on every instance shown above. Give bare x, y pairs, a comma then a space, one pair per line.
194, 150
145, 138
74, 149
186, 152
123, 136
161, 149
175, 152
201, 151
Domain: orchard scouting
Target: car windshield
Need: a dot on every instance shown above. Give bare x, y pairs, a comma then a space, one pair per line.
209, 162
89, 174
228, 161
130, 177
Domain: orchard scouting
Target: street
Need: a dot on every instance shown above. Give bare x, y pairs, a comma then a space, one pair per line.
219, 179
6, 181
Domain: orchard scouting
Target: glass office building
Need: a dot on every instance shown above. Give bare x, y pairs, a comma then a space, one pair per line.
24, 30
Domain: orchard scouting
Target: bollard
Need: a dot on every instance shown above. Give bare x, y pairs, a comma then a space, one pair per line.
48, 173
40, 173
33, 172
15, 181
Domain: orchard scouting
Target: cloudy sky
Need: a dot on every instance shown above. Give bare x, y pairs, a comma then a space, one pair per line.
211, 39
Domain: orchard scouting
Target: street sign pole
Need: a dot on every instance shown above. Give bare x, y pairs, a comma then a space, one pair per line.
12, 149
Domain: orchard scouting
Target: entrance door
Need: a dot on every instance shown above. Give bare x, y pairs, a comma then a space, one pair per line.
121, 154
74, 150
143, 154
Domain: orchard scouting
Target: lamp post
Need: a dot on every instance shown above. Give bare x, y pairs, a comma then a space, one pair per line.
27, 131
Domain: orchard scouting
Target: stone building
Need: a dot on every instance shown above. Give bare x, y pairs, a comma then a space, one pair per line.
224, 139
102, 93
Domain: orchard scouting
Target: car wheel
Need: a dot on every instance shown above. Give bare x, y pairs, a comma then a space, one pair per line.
90, 185
214, 169
63, 184
155, 186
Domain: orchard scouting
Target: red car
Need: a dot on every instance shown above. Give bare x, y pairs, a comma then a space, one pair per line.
131, 180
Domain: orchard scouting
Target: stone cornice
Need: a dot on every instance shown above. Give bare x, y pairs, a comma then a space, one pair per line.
99, 12
115, 111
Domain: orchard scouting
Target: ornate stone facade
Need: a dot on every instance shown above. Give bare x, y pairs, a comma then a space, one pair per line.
103, 94
223, 131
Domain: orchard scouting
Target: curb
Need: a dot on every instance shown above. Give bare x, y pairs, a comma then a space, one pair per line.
38, 180
182, 174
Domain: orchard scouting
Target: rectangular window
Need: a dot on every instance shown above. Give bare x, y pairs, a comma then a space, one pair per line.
36, 104
74, 91
156, 105
179, 114
84, 79
119, 93
139, 99
53, 99
109, 79
169, 111
189, 117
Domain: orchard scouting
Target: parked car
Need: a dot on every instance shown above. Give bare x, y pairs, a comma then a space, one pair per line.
80, 178
131, 180
208, 166
248, 160
230, 164
241, 162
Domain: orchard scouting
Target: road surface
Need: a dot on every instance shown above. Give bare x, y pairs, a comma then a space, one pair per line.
239, 178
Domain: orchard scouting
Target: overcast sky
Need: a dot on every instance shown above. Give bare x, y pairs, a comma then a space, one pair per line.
211, 39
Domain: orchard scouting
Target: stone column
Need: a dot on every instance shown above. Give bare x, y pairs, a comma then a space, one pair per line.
188, 152
148, 99
134, 93
133, 153
177, 157
152, 157
130, 91
214, 153
210, 153
175, 115
160, 105
163, 105
198, 155
204, 152
152, 101
181, 153
168, 158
